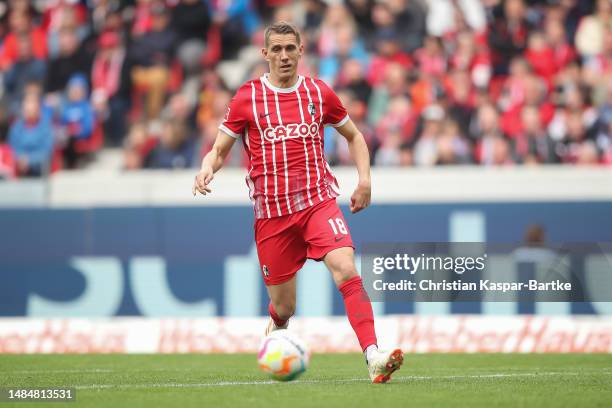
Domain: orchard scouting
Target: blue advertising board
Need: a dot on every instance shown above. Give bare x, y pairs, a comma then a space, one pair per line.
200, 261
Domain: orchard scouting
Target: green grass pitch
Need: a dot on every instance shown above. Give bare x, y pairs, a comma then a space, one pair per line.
333, 380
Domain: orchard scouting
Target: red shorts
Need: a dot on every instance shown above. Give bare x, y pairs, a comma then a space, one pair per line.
284, 243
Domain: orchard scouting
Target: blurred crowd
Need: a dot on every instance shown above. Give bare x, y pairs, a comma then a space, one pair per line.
428, 82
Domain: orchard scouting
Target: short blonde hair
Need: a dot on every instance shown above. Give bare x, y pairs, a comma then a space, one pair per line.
281, 27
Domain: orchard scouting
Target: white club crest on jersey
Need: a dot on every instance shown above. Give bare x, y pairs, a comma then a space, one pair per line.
311, 109
291, 131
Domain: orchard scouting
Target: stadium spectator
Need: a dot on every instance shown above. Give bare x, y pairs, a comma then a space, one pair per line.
605, 113
236, 21
573, 104
26, 68
361, 11
71, 59
425, 152
140, 141
431, 64
410, 22
591, 30
491, 145
191, 20
152, 55
59, 15
405, 154
76, 118
443, 16
142, 16
460, 99
176, 148
452, 146
534, 93
20, 24
508, 34
600, 65
604, 144
180, 109
495, 151
5, 121
104, 14
21, 6
389, 52
7, 162
111, 81
352, 77
431, 59
399, 119
570, 13
557, 40
212, 87
541, 56
534, 145
383, 19
314, 11
573, 137
337, 42
513, 92
587, 154
473, 57
394, 84
31, 138
485, 122
7, 159
388, 153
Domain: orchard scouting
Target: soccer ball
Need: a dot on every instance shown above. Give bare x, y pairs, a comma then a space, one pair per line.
283, 356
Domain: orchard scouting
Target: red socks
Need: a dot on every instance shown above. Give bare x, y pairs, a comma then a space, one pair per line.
277, 320
359, 311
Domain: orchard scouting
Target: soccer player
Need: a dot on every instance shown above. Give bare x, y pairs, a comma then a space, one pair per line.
280, 119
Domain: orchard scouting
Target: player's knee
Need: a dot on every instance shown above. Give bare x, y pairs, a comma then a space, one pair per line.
343, 272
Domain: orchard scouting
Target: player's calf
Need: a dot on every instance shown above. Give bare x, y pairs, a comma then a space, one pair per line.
341, 264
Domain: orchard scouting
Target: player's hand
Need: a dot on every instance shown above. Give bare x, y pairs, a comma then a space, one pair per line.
203, 178
361, 197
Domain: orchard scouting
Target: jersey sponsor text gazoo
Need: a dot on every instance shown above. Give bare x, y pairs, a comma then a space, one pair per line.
291, 131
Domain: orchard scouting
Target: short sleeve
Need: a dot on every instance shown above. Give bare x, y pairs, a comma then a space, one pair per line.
335, 112
236, 119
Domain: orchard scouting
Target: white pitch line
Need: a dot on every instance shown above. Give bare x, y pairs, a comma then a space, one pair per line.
160, 369
96, 370
346, 380
72, 371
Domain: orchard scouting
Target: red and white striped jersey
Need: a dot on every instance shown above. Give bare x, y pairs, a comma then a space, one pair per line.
282, 133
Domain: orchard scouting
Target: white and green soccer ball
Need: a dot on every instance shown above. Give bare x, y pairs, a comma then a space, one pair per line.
283, 356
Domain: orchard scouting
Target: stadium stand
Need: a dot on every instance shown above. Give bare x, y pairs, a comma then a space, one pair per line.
483, 82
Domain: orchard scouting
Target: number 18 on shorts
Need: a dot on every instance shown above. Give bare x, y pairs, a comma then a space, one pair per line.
285, 243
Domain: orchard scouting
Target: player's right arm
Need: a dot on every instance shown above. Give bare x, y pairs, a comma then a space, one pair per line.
212, 162
233, 126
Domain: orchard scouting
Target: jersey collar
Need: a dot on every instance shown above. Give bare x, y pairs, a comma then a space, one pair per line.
292, 88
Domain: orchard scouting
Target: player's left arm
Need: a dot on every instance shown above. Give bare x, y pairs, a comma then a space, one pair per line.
361, 156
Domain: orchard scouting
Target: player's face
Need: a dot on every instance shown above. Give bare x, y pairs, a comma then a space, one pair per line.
283, 54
